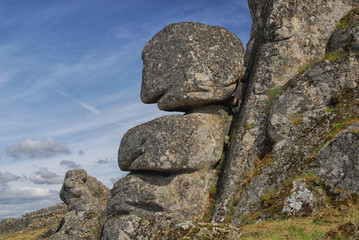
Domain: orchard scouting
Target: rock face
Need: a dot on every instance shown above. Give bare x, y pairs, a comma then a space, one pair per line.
303, 100
287, 37
175, 143
190, 64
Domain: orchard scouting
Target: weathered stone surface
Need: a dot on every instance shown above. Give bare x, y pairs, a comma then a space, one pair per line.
81, 192
303, 199
190, 64
302, 102
165, 227
121, 228
146, 193
337, 162
176, 142
271, 175
346, 39
286, 37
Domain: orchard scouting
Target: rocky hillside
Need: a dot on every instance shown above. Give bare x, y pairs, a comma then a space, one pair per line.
270, 134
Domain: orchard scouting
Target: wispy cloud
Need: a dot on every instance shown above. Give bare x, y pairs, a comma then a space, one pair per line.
37, 149
81, 103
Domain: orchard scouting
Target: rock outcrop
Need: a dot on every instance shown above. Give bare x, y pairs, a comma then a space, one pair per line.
287, 37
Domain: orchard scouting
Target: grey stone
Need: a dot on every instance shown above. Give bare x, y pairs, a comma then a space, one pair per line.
121, 228
303, 199
337, 162
190, 64
146, 193
176, 142
346, 39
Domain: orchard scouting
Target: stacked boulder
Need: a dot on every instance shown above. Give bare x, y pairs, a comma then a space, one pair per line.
189, 67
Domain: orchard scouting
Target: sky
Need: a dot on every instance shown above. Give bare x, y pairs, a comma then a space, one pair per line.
70, 79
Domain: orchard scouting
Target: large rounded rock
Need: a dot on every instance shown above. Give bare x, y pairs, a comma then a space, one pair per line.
146, 194
190, 64
176, 142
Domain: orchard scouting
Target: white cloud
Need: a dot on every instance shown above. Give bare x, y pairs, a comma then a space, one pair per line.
37, 148
16, 201
69, 164
44, 176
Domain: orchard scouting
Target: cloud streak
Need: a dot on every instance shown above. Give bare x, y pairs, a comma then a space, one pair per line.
81, 103
37, 149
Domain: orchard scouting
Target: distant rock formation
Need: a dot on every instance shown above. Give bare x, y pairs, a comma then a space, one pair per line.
85, 198
43, 218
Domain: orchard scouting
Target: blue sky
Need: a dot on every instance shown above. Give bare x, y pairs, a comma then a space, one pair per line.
70, 77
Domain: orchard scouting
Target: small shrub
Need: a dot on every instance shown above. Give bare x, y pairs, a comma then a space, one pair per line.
297, 120
273, 92
333, 56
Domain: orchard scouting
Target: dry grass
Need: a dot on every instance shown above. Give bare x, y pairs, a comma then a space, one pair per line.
22, 235
302, 228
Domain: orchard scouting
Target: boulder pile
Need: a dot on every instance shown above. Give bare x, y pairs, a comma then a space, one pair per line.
189, 67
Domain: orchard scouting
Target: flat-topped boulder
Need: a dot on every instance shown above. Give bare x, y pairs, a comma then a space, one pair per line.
190, 64
176, 143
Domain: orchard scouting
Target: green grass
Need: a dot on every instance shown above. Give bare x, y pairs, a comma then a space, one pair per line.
22, 235
273, 92
313, 227
348, 19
